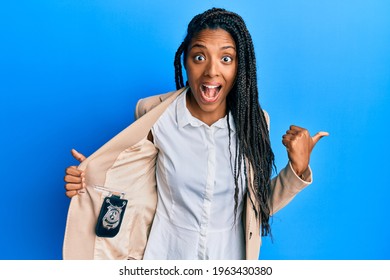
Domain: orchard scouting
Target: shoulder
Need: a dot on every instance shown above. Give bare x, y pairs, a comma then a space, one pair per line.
144, 105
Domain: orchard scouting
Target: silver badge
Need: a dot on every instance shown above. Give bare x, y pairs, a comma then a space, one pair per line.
112, 217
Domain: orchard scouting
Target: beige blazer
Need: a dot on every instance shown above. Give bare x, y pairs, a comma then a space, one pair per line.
125, 165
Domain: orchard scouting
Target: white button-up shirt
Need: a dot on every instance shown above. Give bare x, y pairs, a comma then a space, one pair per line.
195, 209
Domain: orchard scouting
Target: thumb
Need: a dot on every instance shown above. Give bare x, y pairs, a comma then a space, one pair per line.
80, 157
318, 136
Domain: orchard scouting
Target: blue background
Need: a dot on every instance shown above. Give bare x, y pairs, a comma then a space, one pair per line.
72, 71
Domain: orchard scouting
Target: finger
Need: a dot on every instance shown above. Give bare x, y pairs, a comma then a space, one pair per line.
289, 137
79, 156
72, 179
292, 132
296, 128
286, 142
318, 136
73, 187
70, 194
72, 170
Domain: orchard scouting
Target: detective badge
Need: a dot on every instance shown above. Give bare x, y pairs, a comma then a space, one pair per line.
111, 216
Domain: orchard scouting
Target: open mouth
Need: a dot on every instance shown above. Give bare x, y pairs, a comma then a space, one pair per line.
210, 93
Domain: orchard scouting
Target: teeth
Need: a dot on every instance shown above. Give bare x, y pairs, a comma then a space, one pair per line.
210, 86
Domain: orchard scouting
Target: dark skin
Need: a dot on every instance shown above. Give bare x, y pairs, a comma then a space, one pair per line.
299, 145
211, 67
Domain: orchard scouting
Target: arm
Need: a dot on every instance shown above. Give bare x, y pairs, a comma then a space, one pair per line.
297, 174
286, 185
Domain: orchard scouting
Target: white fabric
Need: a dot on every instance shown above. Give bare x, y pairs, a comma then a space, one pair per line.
195, 209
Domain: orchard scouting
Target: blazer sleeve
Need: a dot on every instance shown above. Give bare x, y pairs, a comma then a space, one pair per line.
287, 184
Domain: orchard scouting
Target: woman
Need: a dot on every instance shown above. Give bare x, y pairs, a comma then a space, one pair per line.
206, 148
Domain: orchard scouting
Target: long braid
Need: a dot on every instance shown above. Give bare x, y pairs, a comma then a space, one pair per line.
253, 143
178, 67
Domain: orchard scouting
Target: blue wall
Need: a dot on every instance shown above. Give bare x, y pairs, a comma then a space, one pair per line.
72, 71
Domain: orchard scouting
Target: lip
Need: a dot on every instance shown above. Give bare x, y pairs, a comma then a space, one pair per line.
210, 85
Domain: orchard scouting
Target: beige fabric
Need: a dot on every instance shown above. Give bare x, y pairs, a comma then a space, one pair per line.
127, 164
124, 164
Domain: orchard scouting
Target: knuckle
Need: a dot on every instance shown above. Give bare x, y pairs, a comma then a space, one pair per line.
69, 187
69, 170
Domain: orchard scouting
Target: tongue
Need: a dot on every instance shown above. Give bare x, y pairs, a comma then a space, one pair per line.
211, 92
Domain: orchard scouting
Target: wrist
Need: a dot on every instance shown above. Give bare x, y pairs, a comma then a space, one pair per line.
300, 172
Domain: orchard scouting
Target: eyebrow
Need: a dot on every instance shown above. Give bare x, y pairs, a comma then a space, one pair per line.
197, 45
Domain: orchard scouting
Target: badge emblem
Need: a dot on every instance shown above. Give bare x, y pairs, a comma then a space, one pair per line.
110, 217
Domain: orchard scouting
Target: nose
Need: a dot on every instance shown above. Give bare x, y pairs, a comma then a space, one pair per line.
212, 68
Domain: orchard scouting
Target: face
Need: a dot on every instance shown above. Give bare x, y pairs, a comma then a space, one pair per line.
211, 66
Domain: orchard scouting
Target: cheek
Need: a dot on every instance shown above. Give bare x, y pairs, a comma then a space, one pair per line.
193, 73
231, 76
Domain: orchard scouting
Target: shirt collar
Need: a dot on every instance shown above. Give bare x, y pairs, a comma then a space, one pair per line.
184, 116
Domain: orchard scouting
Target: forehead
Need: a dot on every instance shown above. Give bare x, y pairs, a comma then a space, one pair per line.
213, 36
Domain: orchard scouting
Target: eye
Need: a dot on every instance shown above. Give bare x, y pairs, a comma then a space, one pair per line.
227, 59
199, 57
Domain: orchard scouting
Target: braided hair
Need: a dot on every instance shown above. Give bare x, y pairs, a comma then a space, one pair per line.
253, 148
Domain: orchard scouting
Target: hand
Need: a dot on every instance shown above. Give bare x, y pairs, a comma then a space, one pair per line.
74, 178
299, 145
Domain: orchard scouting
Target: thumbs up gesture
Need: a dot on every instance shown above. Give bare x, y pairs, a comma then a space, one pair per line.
74, 178
299, 145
